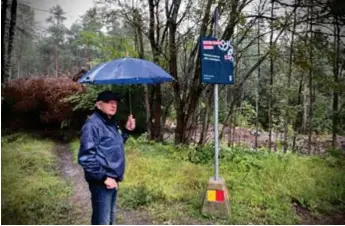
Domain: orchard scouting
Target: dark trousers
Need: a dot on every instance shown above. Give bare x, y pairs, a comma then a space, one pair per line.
103, 204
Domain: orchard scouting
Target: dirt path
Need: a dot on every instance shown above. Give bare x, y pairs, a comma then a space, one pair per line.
308, 219
74, 174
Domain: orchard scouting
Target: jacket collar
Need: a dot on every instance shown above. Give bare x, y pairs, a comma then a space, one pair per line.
104, 117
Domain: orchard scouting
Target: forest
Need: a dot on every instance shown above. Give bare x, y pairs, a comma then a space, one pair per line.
284, 116
289, 64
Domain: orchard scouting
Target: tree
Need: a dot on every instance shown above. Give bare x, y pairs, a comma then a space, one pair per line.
7, 58
287, 50
24, 46
288, 111
57, 31
336, 72
4, 7
271, 82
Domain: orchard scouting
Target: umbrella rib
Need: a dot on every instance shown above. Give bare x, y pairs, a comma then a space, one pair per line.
94, 73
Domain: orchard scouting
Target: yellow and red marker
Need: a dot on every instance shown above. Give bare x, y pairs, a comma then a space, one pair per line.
215, 196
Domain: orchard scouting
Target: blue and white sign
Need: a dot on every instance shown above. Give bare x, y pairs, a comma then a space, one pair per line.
217, 61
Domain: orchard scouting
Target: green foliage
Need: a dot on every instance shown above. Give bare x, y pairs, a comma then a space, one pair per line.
102, 34
74, 148
85, 101
32, 192
335, 157
322, 122
244, 117
87, 38
137, 196
247, 115
201, 155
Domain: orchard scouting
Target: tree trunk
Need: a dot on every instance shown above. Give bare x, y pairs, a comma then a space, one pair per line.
165, 114
148, 112
141, 53
241, 113
4, 7
305, 108
271, 85
157, 114
310, 80
205, 124
232, 125
185, 107
287, 111
336, 82
299, 118
194, 128
89, 59
257, 93
156, 130
12, 30
151, 101
179, 104
18, 70
56, 61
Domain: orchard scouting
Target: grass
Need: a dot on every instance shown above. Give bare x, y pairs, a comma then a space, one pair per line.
32, 192
170, 181
74, 148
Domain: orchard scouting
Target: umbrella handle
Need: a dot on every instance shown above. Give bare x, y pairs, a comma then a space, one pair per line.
130, 100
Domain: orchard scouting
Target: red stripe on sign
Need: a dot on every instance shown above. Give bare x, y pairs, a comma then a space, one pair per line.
208, 42
220, 195
208, 47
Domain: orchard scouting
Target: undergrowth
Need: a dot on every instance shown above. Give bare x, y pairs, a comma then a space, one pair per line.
265, 187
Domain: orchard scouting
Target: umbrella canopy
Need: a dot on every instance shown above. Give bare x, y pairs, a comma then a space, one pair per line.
126, 71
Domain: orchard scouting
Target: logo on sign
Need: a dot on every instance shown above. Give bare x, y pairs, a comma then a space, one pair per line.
224, 45
228, 57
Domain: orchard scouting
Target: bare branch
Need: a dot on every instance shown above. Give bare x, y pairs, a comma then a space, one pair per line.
250, 71
189, 5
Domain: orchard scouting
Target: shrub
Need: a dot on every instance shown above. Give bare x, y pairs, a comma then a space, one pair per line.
134, 197
85, 101
40, 100
201, 155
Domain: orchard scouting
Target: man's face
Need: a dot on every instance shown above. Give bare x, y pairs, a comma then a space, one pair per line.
108, 108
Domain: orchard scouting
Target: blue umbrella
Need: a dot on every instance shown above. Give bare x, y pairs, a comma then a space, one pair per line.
126, 71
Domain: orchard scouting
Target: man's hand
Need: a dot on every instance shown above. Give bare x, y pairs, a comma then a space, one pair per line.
130, 125
110, 183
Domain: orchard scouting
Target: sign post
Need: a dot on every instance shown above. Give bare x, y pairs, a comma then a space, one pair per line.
216, 68
216, 146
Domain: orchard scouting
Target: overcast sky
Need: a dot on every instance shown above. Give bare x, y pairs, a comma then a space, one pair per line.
74, 9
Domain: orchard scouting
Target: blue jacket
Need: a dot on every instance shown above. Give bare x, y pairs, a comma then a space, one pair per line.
101, 152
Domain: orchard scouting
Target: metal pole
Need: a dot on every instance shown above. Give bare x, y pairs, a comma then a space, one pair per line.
216, 173
216, 176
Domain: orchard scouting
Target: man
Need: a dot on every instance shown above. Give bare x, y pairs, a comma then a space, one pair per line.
102, 156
